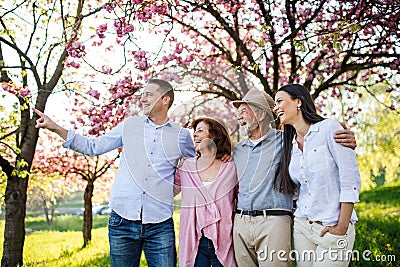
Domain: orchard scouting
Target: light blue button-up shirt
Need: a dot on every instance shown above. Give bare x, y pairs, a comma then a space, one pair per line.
327, 173
256, 166
143, 186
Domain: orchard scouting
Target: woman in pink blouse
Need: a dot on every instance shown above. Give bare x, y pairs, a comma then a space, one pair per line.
208, 188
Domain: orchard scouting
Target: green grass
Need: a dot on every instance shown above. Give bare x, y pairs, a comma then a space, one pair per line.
61, 244
64, 223
378, 227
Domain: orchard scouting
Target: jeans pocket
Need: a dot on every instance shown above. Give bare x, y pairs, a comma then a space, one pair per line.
115, 220
335, 241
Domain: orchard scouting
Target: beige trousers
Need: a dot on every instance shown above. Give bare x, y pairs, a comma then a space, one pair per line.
315, 251
262, 241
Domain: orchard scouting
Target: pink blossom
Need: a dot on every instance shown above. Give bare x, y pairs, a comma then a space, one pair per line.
107, 115
189, 58
106, 69
76, 45
165, 60
142, 65
128, 28
103, 27
178, 48
72, 64
110, 6
24, 92
9, 88
94, 93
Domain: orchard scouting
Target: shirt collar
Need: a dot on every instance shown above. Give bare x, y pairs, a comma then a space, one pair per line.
313, 128
268, 136
151, 123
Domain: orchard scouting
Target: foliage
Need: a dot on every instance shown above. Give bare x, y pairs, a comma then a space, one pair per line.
377, 129
378, 138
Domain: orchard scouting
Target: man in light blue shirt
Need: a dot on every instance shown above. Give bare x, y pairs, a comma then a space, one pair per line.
142, 194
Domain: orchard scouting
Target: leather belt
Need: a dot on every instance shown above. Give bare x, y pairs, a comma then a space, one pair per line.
254, 213
317, 222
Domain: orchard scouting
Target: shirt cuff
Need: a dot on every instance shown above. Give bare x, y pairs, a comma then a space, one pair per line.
70, 137
350, 195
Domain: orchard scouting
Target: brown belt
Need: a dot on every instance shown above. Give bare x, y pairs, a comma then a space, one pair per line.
317, 222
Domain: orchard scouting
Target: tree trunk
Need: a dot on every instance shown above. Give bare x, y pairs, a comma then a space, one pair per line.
87, 215
16, 196
14, 232
48, 212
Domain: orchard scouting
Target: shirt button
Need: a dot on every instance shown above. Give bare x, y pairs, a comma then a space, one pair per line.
154, 140
315, 150
306, 181
144, 193
148, 165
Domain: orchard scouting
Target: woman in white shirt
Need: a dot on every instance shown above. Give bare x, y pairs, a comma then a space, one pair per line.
328, 179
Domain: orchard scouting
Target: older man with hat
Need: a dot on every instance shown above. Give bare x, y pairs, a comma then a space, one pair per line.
262, 223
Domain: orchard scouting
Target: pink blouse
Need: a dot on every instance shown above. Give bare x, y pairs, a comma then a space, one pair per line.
207, 210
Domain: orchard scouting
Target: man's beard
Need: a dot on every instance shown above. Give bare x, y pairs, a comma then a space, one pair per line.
247, 128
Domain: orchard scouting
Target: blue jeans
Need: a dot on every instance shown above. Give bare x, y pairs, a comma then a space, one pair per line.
128, 239
206, 254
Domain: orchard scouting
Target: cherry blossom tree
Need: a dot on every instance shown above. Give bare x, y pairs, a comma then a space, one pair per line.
329, 46
75, 168
33, 52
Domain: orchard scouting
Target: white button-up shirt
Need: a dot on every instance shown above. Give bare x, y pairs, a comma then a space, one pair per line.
327, 173
143, 186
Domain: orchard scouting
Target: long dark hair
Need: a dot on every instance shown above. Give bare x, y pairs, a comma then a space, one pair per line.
282, 179
219, 134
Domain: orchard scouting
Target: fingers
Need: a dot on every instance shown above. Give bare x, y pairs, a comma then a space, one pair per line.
226, 158
344, 133
41, 114
40, 123
324, 231
181, 161
345, 138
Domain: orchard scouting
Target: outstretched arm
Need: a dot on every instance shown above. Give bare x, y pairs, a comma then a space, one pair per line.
45, 122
